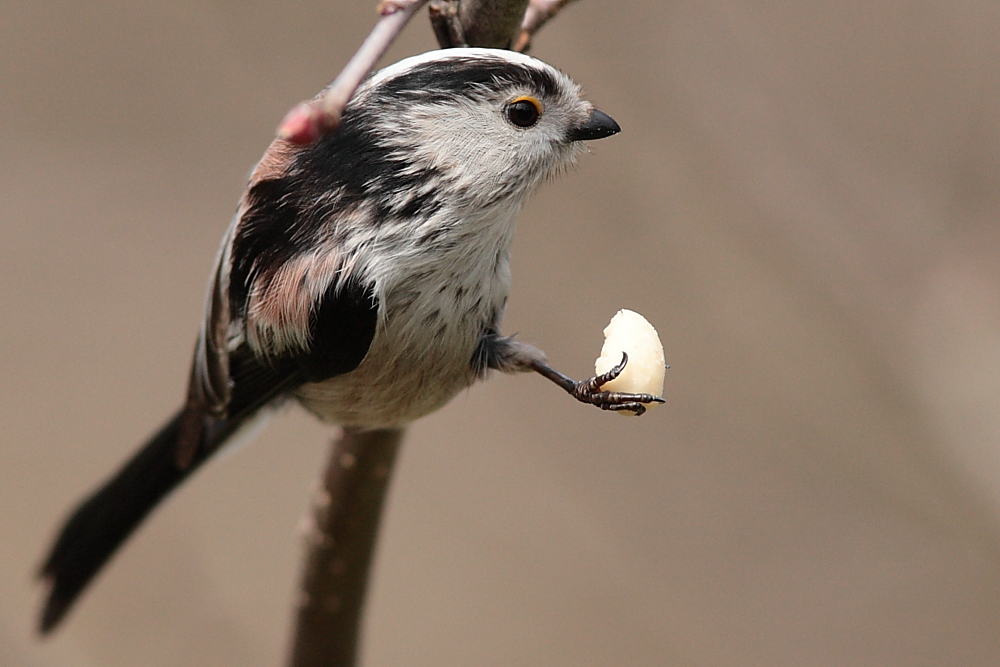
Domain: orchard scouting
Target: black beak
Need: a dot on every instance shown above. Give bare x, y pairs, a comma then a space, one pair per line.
597, 126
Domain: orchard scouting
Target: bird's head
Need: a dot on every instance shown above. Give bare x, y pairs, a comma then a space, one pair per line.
483, 125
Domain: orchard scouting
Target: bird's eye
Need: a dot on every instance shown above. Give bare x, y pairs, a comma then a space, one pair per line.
524, 111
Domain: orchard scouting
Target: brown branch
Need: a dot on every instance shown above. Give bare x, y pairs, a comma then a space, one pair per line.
308, 121
485, 23
491, 23
446, 24
341, 540
538, 14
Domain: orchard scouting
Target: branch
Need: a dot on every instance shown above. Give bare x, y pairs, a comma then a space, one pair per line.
485, 23
491, 23
446, 24
341, 540
307, 122
538, 14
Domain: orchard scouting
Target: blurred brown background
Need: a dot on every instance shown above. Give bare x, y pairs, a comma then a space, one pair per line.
804, 202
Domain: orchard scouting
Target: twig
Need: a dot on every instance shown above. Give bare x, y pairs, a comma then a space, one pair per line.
308, 121
341, 541
491, 23
446, 24
538, 14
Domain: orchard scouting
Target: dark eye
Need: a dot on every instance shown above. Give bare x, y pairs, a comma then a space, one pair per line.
524, 111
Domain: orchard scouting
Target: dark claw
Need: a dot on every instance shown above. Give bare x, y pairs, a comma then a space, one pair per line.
638, 408
589, 391
594, 384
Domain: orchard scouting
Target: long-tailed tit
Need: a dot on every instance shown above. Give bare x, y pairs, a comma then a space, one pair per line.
364, 276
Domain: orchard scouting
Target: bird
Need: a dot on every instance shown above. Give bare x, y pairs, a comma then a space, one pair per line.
364, 276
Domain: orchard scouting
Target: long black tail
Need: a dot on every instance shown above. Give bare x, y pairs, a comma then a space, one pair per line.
102, 522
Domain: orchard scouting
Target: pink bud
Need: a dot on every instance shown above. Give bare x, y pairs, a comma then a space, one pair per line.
303, 125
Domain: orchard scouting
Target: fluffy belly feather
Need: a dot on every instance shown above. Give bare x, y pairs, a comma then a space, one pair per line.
420, 358
392, 386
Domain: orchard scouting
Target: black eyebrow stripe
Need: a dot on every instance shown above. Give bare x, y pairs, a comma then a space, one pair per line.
443, 80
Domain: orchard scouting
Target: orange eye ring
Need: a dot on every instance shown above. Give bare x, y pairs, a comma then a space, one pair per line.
524, 111
532, 101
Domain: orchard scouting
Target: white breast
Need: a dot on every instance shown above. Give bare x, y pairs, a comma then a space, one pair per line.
434, 307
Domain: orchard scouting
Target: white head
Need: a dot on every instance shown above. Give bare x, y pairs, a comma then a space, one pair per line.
491, 122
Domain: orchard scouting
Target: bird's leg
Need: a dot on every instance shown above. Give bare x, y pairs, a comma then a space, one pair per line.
509, 355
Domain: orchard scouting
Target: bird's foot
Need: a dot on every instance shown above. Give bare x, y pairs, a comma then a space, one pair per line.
589, 391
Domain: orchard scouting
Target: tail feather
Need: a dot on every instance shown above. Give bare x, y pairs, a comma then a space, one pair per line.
102, 522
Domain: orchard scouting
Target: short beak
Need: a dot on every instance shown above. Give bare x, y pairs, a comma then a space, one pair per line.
597, 126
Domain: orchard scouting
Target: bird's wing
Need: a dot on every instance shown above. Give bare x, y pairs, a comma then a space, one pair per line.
280, 309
